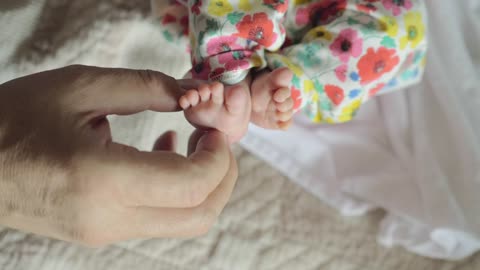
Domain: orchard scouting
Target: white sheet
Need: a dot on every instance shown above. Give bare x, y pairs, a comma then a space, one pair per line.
414, 153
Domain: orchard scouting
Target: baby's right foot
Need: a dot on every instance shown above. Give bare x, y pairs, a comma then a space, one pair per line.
212, 106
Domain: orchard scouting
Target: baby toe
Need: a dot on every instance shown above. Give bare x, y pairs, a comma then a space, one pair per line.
282, 94
284, 116
217, 92
184, 102
205, 94
285, 106
193, 97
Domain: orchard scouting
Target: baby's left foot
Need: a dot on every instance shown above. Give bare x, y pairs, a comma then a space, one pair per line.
211, 105
272, 103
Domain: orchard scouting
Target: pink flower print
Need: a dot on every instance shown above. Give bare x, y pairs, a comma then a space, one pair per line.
237, 60
302, 18
396, 5
341, 72
221, 48
220, 45
320, 12
347, 44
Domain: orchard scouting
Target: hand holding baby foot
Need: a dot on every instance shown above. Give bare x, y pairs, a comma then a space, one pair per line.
211, 105
272, 104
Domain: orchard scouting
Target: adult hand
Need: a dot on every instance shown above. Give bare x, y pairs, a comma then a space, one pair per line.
62, 176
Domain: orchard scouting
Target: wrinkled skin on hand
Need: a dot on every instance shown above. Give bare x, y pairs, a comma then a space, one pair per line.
62, 176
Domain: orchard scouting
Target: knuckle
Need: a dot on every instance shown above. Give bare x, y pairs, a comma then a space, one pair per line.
198, 188
146, 76
205, 220
88, 232
94, 241
155, 81
196, 193
85, 236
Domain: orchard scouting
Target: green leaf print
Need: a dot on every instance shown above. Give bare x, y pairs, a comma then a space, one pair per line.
276, 64
296, 81
212, 25
235, 17
201, 36
318, 87
388, 42
352, 21
308, 59
168, 36
368, 28
325, 104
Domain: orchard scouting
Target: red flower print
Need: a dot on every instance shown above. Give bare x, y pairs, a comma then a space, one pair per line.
368, 6
396, 5
197, 4
347, 44
375, 90
341, 73
297, 98
335, 93
168, 18
279, 5
184, 24
201, 70
175, 3
288, 42
320, 12
257, 27
376, 63
216, 74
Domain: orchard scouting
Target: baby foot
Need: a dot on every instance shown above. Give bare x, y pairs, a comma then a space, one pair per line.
212, 106
272, 104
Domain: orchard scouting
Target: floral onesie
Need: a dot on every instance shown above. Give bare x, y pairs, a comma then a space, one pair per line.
342, 52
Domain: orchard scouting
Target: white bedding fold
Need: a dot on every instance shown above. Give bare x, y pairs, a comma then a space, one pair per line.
414, 153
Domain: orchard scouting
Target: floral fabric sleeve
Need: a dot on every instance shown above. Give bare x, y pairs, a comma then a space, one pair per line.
343, 52
229, 38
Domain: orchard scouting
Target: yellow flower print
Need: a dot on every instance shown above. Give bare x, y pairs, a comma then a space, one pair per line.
308, 86
193, 40
330, 120
318, 118
219, 7
349, 111
423, 62
245, 5
389, 25
318, 32
288, 63
300, 2
256, 61
415, 30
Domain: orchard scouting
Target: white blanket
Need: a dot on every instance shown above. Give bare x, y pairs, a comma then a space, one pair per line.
269, 222
414, 153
